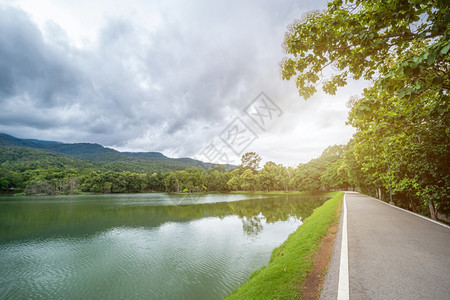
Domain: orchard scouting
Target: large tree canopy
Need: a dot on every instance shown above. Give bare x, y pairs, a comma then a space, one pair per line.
401, 47
373, 40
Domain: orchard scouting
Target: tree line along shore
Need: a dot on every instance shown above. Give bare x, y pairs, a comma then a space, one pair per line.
336, 169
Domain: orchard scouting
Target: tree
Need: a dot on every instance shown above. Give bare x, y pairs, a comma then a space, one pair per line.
248, 180
307, 177
155, 182
333, 177
38, 187
250, 160
217, 178
189, 180
404, 144
4, 183
267, 177
402, 119
171, 182
194, 179
371, 40
235, 181
274, 177
353, 169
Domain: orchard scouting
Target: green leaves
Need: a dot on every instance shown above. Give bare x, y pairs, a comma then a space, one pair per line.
368, 39
409, 131
445, 49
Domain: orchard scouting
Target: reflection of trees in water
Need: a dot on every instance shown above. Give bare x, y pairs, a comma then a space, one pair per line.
53, 217
252, 226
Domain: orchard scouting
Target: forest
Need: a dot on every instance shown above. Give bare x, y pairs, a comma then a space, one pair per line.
32, 172
38, 172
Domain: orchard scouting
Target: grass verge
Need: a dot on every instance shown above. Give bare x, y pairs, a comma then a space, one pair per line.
284, 276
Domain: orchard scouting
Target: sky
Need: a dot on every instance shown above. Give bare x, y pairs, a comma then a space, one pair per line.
196, 79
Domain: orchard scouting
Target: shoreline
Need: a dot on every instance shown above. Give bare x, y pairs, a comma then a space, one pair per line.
290, 263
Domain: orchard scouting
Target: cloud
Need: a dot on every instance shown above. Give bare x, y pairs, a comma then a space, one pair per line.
153, 76
28, 66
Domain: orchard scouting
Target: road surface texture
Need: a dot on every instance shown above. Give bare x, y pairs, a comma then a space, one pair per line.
392, 254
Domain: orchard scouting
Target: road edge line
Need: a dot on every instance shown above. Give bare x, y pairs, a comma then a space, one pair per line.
343, 285
413, 213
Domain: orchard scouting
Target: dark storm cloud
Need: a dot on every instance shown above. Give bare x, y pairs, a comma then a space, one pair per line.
46, 83
30, 68
153, 89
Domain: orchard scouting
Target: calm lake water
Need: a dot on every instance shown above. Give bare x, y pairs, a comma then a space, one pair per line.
140, 246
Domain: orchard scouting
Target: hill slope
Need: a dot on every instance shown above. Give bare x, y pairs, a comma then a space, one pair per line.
87, 155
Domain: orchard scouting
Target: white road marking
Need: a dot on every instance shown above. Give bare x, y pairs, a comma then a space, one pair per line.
343, 288
413, 213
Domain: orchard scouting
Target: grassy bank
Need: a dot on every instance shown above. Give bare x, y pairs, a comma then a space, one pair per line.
283, 277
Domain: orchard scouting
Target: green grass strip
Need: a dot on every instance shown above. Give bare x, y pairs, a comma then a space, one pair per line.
284, 276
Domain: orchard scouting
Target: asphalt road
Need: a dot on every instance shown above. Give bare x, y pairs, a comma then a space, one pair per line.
392, 254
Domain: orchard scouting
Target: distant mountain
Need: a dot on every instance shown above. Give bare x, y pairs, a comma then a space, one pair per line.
21, 159
104, 157
87, 151
9, 140
146, 154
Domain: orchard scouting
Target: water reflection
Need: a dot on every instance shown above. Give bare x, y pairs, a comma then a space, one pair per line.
253, 225
74, 216
135, 247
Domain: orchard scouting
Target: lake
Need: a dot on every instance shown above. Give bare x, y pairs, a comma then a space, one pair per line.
141, 246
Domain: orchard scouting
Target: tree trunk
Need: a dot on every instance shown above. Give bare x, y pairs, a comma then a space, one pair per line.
432, 209
379, 194
413, 206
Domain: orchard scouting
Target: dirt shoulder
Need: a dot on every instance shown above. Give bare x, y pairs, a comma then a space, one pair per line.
314, 280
